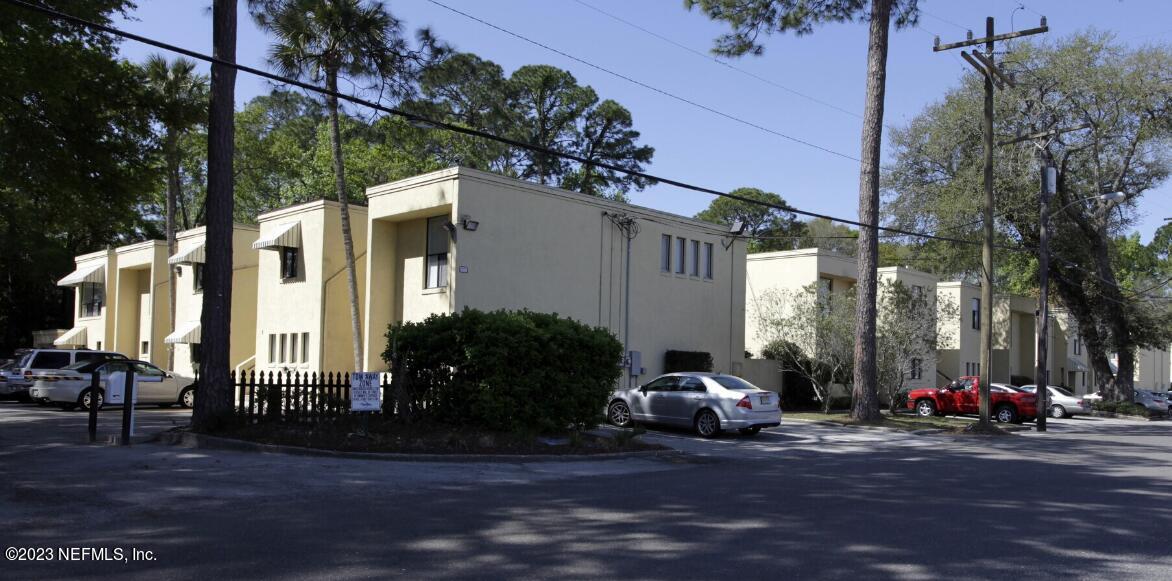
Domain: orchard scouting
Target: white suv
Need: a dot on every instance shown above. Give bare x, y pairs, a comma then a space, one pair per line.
16, 380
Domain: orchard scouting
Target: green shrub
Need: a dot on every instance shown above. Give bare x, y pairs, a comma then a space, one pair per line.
674, 361
514, 371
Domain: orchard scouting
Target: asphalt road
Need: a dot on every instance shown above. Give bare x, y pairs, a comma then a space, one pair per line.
1090, 499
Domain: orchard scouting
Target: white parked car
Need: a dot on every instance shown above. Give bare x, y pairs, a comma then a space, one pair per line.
70, 387
17, 379
1063, 403
706, 402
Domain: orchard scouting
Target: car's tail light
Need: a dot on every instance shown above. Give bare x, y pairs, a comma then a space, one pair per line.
745, 403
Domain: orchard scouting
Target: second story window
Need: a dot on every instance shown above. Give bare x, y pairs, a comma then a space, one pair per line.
437, 253
681, 256
916, 370
93, 298
695, 258
976, 313
288, 262
665, 253
197, 277
708, 260
1077, 345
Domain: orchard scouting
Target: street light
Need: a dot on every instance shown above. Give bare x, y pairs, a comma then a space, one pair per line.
1041, 370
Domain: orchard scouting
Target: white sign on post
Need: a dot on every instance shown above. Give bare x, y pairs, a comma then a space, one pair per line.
364, 390
116, 393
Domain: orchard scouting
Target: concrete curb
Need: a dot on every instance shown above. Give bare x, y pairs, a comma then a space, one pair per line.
1114, 415
923, 432
203, 441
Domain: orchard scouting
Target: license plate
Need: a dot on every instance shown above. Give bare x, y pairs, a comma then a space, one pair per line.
764, 400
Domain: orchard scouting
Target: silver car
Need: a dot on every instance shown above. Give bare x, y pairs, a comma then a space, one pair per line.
706, 402
1063, 403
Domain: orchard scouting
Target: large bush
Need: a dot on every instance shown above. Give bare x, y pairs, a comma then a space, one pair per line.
515, 371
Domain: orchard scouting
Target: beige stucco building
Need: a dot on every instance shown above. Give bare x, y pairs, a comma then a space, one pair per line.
793, 270
94, 280
790, 271
458, 238
121, 301
188, 261
1014, 337
303, 318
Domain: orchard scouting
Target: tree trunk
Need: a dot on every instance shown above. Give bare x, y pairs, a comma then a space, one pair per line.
213, 402
347, 238
865, 400
171, 147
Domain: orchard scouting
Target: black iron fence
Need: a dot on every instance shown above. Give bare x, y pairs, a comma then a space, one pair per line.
298, 397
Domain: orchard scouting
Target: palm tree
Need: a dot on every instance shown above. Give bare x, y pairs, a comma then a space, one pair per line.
324, 40
180, 100
751, 18
213, 401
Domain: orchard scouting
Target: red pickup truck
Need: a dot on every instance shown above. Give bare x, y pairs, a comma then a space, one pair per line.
963, 397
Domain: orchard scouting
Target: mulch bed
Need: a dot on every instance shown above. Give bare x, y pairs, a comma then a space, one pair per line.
394, 437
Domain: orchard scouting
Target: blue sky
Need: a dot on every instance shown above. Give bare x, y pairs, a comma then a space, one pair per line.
697, 146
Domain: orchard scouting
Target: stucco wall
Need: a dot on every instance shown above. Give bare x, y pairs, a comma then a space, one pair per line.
914, 278
141, 303
550, 250
316, 301
189, 303
100, 329
784, 272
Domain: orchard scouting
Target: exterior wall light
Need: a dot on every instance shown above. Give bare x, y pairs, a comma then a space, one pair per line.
468, 223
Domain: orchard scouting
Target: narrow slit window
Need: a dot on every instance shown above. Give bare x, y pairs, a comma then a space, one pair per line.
708, 260
305, 347
695, 258
437, 253
682, 259
665, 253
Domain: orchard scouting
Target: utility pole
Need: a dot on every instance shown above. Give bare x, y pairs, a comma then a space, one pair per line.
985, 65
1049, 187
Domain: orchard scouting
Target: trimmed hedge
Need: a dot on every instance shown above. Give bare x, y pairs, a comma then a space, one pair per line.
674, 361
514, 371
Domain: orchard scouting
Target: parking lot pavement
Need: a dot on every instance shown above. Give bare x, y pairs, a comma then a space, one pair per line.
801, 500
27, 427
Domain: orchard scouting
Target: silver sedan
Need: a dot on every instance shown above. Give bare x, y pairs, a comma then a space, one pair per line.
706, 402
1063, 403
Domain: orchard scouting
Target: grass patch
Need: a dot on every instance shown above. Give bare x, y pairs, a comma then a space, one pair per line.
900, 421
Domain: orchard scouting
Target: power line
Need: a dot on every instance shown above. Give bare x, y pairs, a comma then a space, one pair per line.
463, 130
721, 62
649, 87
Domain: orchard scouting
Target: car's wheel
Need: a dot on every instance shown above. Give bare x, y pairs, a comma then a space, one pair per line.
619, 414
1006, 414
187, 397
925, 408
83, 400
753, 431
1057, 411
707, 424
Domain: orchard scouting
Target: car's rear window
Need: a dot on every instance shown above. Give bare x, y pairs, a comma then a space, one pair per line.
50, 360
84, 365
1063, 391
734, 383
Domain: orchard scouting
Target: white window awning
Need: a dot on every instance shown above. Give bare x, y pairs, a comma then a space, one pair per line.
185, 333
286, 235
1076, 364
72, 337
193, 255
91, 273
